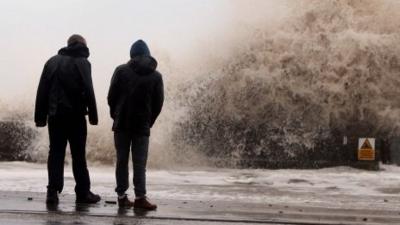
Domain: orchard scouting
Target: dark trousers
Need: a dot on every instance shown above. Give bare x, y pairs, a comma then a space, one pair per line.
72, 129
139, 145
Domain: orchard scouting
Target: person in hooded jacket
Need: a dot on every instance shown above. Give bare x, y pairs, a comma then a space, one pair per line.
135, 97
64, 96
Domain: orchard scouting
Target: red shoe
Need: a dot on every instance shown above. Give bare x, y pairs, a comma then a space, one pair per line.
143, 203
125, 202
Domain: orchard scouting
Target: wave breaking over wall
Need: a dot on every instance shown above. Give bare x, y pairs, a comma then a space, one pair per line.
290, 94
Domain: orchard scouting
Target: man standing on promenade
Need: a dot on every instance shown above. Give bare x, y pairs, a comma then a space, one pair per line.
64, 96
135, 98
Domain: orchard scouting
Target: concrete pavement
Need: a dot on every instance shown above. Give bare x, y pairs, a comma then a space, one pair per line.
29, 208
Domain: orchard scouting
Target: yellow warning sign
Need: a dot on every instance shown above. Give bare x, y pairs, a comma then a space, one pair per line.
366, 145
366, 149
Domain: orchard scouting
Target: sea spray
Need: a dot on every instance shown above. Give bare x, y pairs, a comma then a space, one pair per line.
289, 94
281, 87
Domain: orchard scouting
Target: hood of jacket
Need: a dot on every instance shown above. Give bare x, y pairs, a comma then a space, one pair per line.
139, 48
143, 65
75, 50
141, 60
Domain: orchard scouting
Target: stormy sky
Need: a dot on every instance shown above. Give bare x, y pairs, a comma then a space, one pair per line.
33, 31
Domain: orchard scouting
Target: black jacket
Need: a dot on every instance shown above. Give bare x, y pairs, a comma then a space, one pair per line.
136, 95
66, 87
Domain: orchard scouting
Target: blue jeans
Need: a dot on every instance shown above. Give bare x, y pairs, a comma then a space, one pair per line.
139, 145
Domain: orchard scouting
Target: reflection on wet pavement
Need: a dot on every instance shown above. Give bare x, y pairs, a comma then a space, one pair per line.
140, 212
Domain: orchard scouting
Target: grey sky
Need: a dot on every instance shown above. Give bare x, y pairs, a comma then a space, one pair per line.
32, 31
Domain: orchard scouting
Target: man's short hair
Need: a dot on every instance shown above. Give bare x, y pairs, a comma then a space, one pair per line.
76, 38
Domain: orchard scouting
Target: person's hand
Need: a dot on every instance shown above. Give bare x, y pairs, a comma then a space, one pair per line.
41, 124
93, 122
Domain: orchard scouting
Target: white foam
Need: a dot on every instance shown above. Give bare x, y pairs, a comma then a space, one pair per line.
333, 187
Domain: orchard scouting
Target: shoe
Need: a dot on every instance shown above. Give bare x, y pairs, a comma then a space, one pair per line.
125, 202
143, 203
51, 197
89, 198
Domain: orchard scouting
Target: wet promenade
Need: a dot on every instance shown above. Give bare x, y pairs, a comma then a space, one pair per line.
29, 208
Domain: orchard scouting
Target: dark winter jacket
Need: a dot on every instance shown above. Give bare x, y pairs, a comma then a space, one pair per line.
136, 93
66, 87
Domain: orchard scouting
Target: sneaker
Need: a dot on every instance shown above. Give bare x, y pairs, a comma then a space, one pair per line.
51, 197
124, 202
89, 198
143, 203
